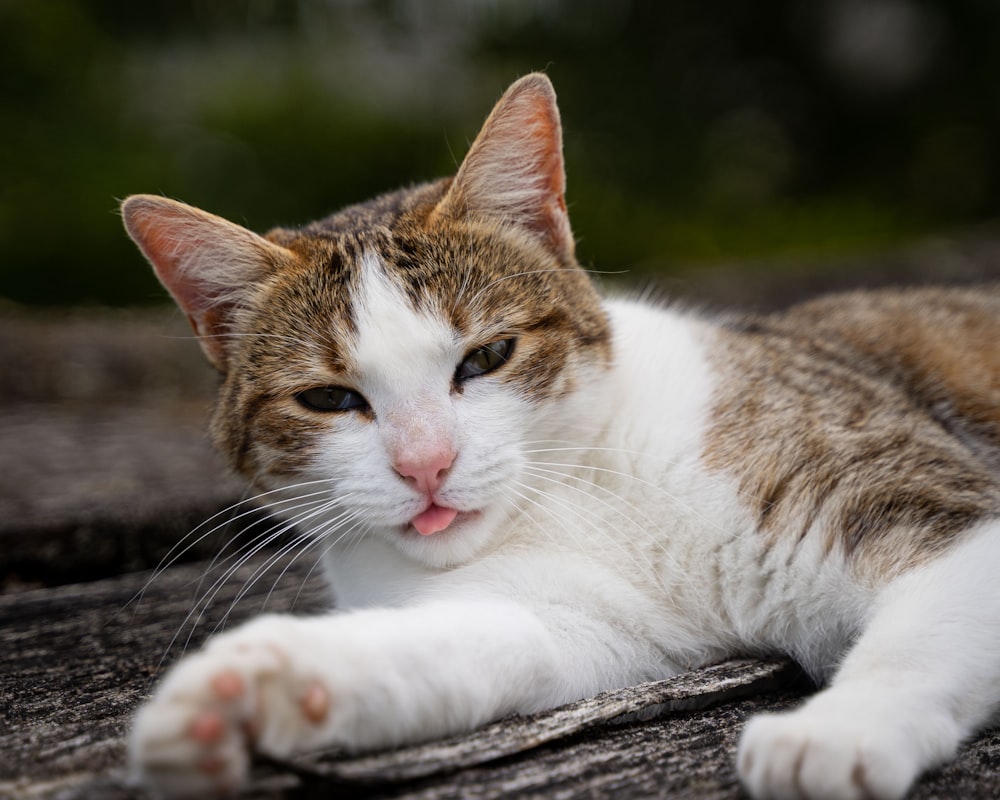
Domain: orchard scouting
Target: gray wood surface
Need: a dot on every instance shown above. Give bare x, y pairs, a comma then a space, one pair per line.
75, 660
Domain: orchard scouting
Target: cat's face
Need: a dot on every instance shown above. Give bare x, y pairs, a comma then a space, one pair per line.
389, 368
409, 380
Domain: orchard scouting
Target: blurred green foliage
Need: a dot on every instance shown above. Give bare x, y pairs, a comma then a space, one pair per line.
695, 131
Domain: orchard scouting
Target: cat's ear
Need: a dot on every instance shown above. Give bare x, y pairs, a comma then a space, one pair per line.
208, 264
514, 170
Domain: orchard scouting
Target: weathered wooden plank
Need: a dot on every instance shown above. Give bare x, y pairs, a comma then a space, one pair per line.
104, 455
517, 734
75, 660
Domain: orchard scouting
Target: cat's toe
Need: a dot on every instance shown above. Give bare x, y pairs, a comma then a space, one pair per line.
187, 750
805, 755
242, 694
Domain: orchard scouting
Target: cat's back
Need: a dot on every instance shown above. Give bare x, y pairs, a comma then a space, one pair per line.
942, 346
869, 418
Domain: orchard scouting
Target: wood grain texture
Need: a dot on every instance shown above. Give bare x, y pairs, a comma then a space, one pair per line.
75, 660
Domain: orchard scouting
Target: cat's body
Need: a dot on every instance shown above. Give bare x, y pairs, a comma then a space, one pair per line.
525, 494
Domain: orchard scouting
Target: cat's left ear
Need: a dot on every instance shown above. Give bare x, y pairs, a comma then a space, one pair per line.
208, 264
514, 170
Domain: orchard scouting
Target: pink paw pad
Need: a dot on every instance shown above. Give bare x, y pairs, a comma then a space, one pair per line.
208, 728
315, 703
228, 685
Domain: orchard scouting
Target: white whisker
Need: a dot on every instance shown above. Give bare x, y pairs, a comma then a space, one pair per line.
176, 552
590, 523
248, 551
310, 537
649, 531
657, 488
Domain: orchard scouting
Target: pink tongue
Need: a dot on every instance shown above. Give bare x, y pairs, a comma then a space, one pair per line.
433, 520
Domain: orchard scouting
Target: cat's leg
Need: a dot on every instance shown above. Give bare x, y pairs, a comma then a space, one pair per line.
924, 675
368, 678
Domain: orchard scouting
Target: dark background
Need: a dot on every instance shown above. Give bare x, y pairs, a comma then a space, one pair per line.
697, 133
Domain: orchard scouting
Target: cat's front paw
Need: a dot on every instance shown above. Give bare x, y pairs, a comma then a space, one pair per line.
825, 753
248, 690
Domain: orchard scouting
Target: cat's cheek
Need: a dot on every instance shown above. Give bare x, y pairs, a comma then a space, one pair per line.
351, 463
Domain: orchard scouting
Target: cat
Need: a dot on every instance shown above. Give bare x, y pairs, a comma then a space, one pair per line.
525, 493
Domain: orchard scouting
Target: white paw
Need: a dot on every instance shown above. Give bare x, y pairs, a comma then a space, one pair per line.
248, 690
822, 752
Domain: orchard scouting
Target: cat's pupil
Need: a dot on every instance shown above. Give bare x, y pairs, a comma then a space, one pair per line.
331, 398
485, 359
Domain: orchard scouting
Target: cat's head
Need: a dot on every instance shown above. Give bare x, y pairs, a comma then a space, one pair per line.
396, 362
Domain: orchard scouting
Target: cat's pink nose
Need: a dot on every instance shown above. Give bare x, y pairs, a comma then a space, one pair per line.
428, 470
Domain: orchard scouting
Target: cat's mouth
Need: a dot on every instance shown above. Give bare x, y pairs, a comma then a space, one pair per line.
435, 519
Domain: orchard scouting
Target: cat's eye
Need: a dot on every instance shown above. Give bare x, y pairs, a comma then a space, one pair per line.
331, 398
485, 359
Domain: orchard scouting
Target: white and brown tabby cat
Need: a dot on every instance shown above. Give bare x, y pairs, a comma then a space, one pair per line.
526, 494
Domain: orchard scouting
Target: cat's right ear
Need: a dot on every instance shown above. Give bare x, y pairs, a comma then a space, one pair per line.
208, 264
514, 172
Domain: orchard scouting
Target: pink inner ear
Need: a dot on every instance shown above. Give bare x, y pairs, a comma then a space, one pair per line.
546, 133
169, 245
514, 169
204, 261
543, 127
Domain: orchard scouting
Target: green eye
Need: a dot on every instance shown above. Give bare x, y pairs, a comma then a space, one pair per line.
331, 398
485, 359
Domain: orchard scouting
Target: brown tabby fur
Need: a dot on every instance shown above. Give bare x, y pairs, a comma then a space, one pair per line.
487, 280
874, 416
